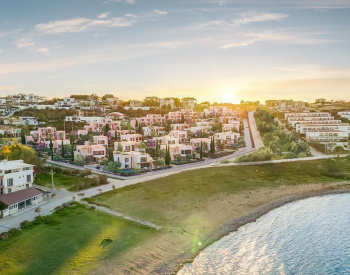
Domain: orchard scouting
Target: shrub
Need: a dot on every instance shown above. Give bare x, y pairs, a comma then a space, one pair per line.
5, 236
260, 155
14, 232
25, 224
50, 220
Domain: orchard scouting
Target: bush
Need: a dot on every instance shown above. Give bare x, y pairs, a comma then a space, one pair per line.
50, 220
262, 154
5, 236
25, 224
14, 232
86, 173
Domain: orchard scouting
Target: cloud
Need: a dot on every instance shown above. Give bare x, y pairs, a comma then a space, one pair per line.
82, 24
238, 44
44, 50
24, 43
305, 38
252, 17
160, 12
103, 15
295, 4
7, 33
113, 54
170, 44
129, 2
244, 18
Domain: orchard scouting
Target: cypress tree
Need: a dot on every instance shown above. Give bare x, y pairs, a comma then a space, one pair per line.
212, 145
62, 149
156, 153
201, 151
51, 148
72, 147
167, 155
110, 155
23, 138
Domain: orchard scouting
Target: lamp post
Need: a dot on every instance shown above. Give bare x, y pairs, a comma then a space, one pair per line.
53, 187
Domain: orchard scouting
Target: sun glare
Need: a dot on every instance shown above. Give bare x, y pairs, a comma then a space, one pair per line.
228, 94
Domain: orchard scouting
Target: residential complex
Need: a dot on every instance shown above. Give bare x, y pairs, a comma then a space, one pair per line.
321, 127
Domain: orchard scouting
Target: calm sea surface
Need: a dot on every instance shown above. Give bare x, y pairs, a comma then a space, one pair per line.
310, 236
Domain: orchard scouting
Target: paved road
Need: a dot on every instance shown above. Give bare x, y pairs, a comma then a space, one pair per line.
255, 133
62, 196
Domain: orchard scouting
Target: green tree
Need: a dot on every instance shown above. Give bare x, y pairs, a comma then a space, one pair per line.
72, 147
156, 154
338, 150
51, 148
23, 138
62, 149
212, 145
110, 155
19, 151
3, 206
201, 151
160, 162
120, 147
106, 128
167, 156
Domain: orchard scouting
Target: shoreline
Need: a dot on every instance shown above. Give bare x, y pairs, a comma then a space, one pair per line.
236, 223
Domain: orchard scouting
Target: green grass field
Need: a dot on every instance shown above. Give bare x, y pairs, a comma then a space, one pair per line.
61, 180
190, 206
168, 201
73, 246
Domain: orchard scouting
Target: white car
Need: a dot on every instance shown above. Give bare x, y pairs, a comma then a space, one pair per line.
215, 163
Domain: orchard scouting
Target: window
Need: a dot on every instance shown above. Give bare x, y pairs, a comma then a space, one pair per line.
29, 178
9, 182
9, 190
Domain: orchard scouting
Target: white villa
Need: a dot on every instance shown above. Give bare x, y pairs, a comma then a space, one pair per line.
16, 191
133, 160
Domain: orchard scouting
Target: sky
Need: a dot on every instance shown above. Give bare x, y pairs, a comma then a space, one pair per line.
213, 50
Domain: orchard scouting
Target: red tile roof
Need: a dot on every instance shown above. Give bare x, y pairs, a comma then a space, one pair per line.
18, 196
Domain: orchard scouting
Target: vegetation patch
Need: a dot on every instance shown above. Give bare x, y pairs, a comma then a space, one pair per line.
75, 244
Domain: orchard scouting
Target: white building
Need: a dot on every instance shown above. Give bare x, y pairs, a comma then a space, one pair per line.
66, 102
344, 114
169, 102
16, 191
133, 160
